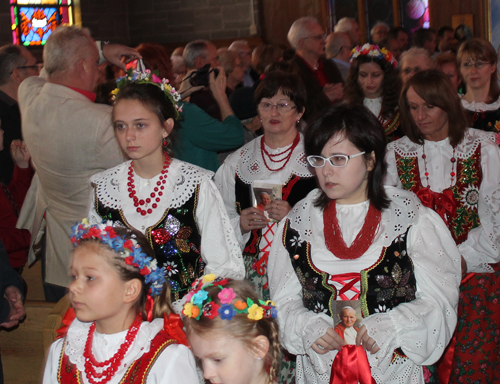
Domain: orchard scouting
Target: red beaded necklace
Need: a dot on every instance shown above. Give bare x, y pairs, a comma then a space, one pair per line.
453, 160
333, 234
112, 363
272, 157
157, 190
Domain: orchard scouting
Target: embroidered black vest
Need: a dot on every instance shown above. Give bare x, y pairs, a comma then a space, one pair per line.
175, 240
384, 285
294, 190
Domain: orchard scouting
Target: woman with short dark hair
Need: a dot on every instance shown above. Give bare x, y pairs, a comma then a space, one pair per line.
373, 81
354, 242
454, 170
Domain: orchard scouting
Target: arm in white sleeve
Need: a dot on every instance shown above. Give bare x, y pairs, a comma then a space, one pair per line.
391, 178
482, 246
219, 248
225, 181
424, 326
175, 365
299, 327
52, 364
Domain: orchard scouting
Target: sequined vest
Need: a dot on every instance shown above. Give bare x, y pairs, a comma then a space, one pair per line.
137, 373
465, 192
175, 240
392, 127
384, 285
294, 190
488, 121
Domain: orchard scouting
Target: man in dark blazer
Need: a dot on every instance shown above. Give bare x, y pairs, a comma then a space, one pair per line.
322, 78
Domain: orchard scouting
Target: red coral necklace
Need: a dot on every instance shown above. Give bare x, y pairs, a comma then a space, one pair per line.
157, 190
333, 234
276, 157
112, 363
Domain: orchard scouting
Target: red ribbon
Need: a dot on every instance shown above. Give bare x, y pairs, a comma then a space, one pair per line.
149, 308
67, 319
443, 203
174, 326
351, 366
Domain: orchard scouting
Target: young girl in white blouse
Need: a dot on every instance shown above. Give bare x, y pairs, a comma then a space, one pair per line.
124, 329
358, 241
174, 203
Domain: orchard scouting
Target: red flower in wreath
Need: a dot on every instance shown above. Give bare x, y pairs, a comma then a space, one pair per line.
128, 245
210, 310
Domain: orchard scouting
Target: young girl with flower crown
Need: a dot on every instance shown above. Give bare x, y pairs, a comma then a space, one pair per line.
233, 334
174, 203
124, 331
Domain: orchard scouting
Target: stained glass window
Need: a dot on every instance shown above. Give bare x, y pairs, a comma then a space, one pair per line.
34, 20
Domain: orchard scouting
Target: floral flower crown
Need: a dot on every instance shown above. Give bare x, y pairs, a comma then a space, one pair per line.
200, 303
374, 51
128, 249
145, 76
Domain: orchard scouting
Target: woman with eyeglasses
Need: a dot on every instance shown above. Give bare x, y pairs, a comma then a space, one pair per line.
478, 66
373, 81
455, 171
276, 157
376, 248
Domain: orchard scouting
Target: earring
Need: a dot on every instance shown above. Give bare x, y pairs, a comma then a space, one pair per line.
164, 142
259, 358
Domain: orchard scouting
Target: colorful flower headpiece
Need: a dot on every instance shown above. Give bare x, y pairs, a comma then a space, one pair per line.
128, 249
199, 303
146, 76
374, 51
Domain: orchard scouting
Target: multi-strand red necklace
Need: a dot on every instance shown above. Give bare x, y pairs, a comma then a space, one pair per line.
157, 190
333, 234
453, 160
112, 363
278, 157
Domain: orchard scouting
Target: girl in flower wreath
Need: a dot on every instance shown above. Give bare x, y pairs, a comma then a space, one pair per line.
124, 331
174, 203
373, 81
232, 333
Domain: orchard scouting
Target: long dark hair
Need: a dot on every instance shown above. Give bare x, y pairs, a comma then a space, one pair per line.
435, 88
358, 125
391, 85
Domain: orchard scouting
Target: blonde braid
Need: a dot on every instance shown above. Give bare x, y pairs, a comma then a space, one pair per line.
274, 351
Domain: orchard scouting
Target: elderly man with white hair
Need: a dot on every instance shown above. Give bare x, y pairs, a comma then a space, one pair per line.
414, 60
244, 51
322, 78
379, 32
70, 138
351, 27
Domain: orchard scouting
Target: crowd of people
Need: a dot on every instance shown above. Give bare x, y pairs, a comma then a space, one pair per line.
261, 215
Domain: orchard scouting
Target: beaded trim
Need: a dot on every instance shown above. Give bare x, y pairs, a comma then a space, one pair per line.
199, 302
128, 249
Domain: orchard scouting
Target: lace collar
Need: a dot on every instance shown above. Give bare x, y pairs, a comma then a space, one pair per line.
480, 106
182, 180
472, 138
404, 210
250, 166
104, 346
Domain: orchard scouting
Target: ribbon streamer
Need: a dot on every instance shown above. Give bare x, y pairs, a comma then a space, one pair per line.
351, 366
174, 326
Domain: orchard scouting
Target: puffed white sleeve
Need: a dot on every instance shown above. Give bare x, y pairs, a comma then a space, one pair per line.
482, 246
424, 326
391, 178
219, 248
93, 216
299, 327
225, 181
52, 364
176, 364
